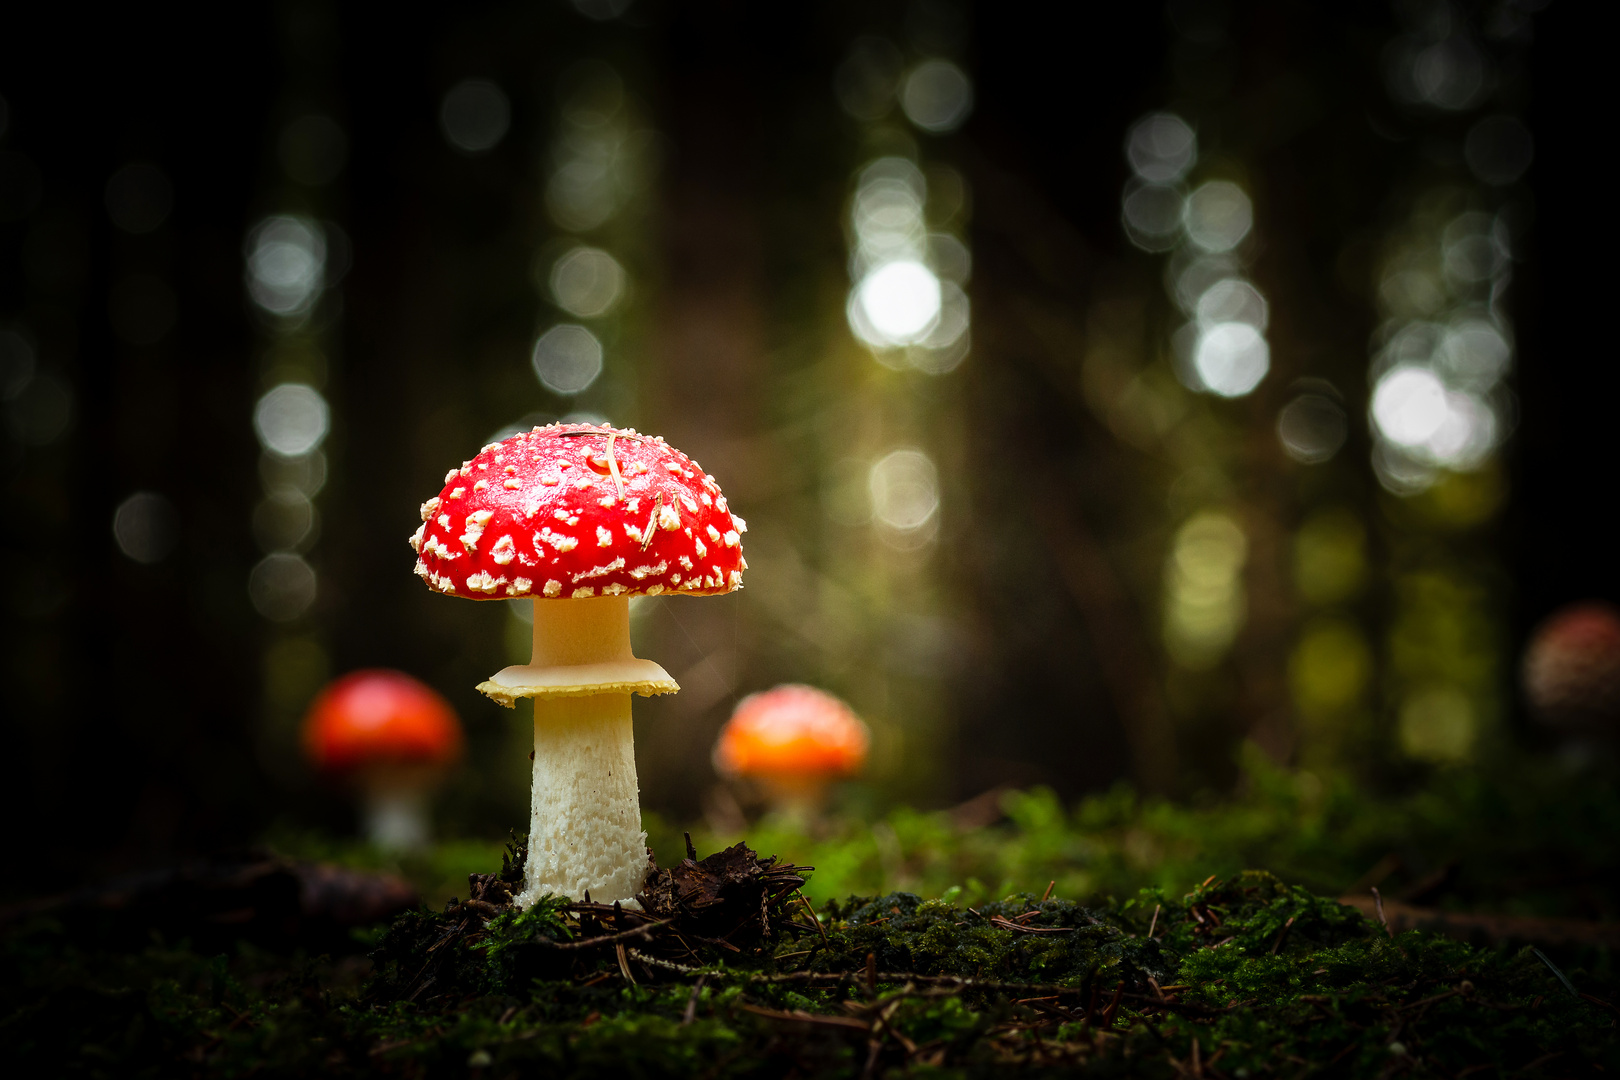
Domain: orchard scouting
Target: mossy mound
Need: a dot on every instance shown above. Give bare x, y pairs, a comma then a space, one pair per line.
1243, 977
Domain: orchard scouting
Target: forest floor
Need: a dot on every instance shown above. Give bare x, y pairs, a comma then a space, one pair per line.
748, 967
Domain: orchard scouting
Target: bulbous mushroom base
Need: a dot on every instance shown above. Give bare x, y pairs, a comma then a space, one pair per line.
585, 830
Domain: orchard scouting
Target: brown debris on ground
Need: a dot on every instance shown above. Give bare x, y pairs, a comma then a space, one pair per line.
728, 897
732, 900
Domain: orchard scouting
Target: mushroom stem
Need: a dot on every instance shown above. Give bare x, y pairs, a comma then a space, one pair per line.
585, 830
569, 632
393, 807
585, 823
798, 799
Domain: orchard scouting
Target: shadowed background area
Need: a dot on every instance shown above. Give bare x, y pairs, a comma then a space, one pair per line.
1105, 393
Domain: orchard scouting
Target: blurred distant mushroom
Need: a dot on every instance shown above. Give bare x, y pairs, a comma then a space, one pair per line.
393, 738
1572, 669
581, 518
792, 740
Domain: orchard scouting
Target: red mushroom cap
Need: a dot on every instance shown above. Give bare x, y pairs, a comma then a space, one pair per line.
1572, 666
575, 510
791, 730
377, 716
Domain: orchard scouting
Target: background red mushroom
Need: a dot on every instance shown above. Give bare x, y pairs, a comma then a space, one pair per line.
393, 738
1572, 668
793, 741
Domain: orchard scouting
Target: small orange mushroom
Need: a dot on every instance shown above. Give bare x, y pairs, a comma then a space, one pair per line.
393, 737
793, 740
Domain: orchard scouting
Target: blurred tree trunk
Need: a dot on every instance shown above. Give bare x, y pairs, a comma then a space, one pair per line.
706, 370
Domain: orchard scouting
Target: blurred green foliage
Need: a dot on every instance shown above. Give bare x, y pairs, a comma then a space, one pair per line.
1538, 841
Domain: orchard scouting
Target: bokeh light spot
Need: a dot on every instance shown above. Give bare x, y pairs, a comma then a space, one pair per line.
1474, 353
286, 264
305, 473
1473, 248
1412, 290
887, 215
950, 258
1430, 424
567, 358
1190, 273
291, 420
1312, 428
1409, 405
282, 587
1232, 300
1231, 358
1152, 215
1204, 589
1398, 471
1161, 147
474, 116
285, 520
1329, 668
1218, 216
580, 194
1467, 435
1438, 725
899, 303
954, 317
586, 282
1330, 556
1450, 74
865, 83
904, 489
146, 527
937, 96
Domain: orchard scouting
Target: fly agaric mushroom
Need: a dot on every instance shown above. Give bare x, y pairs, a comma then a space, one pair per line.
793, 740
580, 518
1572, 668
394, 737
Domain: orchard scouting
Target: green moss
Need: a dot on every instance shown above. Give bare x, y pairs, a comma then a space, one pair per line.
1247, 975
